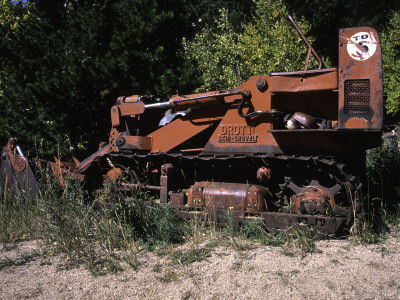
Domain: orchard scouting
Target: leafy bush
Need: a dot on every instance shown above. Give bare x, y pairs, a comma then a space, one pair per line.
383, 171
268, 43
381, 202
390, 57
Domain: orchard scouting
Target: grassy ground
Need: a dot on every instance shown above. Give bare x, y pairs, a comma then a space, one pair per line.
112, 229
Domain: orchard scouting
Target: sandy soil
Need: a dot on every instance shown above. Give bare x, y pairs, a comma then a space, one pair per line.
338, 270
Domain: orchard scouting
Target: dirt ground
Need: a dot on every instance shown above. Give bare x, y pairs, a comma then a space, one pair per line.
339, 269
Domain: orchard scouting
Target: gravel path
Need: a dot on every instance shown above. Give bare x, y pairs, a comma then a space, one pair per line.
339, 269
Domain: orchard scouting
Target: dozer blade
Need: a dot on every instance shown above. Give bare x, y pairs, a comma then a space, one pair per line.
75, 169
16, 175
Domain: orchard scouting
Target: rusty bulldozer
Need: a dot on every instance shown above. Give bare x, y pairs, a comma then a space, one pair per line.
283, 148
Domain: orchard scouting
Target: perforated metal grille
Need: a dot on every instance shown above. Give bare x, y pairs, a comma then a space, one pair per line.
356, 96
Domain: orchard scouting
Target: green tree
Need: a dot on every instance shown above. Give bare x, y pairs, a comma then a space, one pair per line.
328, 16
208, 12
10, 13
390, 40
268, 43
63, 67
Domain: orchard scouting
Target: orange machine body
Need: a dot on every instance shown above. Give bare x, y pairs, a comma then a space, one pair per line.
345, 104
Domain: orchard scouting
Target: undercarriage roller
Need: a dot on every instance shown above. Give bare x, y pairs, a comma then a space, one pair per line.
313, 199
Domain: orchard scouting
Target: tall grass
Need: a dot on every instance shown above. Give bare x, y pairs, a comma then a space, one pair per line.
87, 231
383, 172
108, 227
17, 220
382, 199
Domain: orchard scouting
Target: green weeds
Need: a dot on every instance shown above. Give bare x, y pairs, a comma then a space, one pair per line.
303, 237
17, 219
186, 257
382, 200
168, 276
19, 261
383, 172
101, 236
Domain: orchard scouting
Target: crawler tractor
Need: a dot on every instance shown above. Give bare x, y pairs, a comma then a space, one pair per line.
284, 148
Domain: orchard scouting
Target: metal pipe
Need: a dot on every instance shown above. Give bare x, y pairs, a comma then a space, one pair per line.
143, 186
207, 96
307, 43
158, 105
168, 104
19, 151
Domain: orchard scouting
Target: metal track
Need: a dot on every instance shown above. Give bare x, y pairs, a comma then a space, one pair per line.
281, 218
327, 161
329, 164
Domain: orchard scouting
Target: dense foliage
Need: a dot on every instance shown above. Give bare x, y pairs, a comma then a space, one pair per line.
227, 55
11, 12
63, 67
383, 172
391, 68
